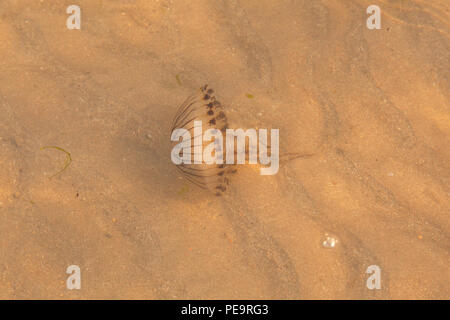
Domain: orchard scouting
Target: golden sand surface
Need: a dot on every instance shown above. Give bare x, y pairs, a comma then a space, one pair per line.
372, 106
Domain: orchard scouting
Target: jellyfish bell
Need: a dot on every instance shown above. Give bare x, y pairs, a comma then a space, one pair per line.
198, 146
205, 150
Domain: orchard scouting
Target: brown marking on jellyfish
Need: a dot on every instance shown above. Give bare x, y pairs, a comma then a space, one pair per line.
221, 116
221, 188
212, 122
210, 113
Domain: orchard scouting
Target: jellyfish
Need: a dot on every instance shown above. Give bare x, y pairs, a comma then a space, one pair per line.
203, 106
204, 110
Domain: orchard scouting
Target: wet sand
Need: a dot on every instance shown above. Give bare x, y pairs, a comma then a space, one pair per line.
372, 106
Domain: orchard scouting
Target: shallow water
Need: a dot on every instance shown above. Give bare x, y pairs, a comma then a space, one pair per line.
371, 105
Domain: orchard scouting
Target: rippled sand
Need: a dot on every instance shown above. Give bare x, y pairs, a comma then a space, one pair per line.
371, 105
